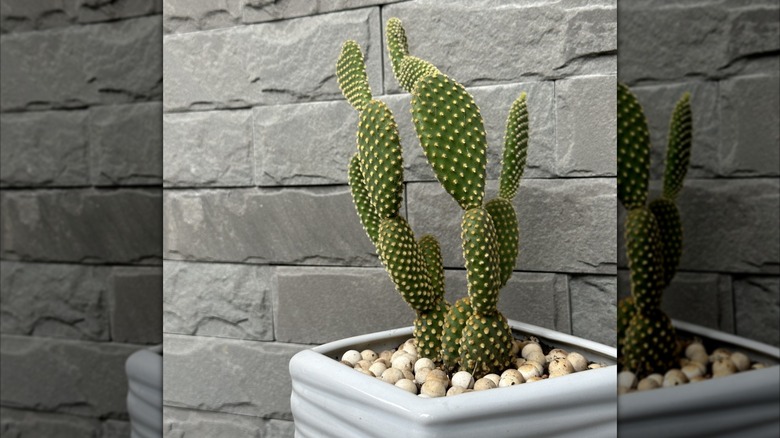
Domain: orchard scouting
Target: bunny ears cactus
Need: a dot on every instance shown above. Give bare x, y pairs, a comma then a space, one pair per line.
471, 334
646, 337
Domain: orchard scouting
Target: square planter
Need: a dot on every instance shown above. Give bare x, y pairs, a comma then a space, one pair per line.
745, 404
332, 400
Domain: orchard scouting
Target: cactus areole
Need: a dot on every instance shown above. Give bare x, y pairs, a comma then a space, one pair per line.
646, 337
470, 334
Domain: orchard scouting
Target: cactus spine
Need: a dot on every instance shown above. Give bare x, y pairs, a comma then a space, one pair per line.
646, 337
471, 334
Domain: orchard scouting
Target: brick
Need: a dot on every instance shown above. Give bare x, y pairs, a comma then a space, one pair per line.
540, 299
555, 39
750, 120
192, 423
48, 148
93, 11
56, 375
258, 65
85, 226
710, 39
585, 126
136, 313
594, 308
188, 16
258, 10
757, 305
20, 423
700, 298
54, 300
319, 225
25, 16
565, 225
222, 300
126, 142
208, 149
658, 102
106, 63
319, 305
115, 429
257, 384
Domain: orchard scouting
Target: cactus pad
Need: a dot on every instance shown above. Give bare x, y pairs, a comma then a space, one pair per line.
432, 253
453, 330
452, 135
405, 263
413, 69
625, 311
397, 46
505, 221
428, 330
650, 343
645, 258
380, 158
480, 251
486, 344
351, 74
362, 200
633, 150
678, 152
515, 148
670, 229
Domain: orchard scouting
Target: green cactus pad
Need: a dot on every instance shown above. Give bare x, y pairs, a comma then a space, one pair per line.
433, 260
633, 150
650, 343
452, 135
428, 330
625, 311
380, 158
405, 263
480, 250
413, 69
351, 74
454, 322
486, 344
678, 152
397, 45
362, 200
645, 258
671, 232
515, 148
505, 221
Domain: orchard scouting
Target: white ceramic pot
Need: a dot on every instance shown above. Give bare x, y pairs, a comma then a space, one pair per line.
144, 392
745, 404
332, 400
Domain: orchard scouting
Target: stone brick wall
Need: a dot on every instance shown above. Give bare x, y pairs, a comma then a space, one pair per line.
264, 253
81, 143
726, 54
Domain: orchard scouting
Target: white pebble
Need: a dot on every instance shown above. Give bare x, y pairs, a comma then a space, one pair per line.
533, 379
626, 379
421, 363
757, 366
659, 378
463, 379
529, 370
556, 353
365, 364
518, 361
723, 367
411, 350
741, 361
407, 385
421, 375
365, 371
386, 355
537, 356
674, 377
408, 374
693, 369
510, 378
560, 367
694, 349
516, 347
403, 362
578, 361
455, 390
352, 356
434, 388
700, 357
494, 378
538, 365
483, 384
647, 383
392, 375
529, 348
595, 366
438, 375
377, 368
719, 353
369, 355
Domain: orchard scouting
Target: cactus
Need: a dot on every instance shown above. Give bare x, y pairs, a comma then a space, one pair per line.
646, 337
471, 334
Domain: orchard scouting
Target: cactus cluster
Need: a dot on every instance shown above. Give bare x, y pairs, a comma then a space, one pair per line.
470, 334
646, 337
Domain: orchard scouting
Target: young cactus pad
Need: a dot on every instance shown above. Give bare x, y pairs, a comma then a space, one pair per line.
471, 334
646, 337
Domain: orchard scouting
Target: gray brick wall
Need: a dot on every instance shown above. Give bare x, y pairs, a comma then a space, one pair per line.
264, 254
80, 262
726, 55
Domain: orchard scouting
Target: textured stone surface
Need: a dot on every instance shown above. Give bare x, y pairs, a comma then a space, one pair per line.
257, 383
586, 133
54, 300
77, 377
136, 305
699, 298
709, 39
486, 42
193, 15
268, 63
126, 144
594, 308
750, 117
91, 226
260, 10
57, 155
115, 429
106, 63
180, 423
565, 225
208, 149
757, 302
227, 301
292, 226
658, 103
25, 15
20, 424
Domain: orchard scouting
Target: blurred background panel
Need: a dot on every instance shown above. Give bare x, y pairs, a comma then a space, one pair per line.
727, 55
80, 183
